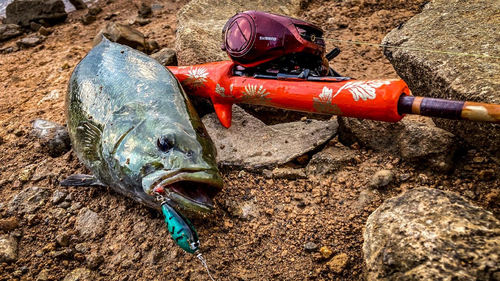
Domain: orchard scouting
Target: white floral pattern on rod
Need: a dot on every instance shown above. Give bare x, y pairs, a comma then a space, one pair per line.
196, 77
363, 89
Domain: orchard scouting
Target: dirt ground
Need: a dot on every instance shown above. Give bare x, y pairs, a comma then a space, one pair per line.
132, 242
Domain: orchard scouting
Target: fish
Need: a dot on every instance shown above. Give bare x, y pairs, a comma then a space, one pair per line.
132, 125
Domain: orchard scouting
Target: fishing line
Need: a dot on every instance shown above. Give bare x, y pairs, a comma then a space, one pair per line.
411, 48
204, 263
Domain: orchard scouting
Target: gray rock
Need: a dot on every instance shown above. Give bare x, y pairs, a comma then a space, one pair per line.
420, 144
22, 12
28, 201
52, 136
330, 160
453, 26
8, 31
251, 144
153, 46
89, 224
44, 31
428, 234
8, 249
122, 34
35, 26
94, 10
88, 19
30, 41
200, 22
381, 178
80, 274
83, 248
58, 197
145, 11
65, 254
310, 247
427, 146
79, 4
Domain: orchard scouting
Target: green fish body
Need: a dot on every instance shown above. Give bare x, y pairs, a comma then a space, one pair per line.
132, 125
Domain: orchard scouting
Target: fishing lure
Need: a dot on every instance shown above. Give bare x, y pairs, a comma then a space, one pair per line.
181, 229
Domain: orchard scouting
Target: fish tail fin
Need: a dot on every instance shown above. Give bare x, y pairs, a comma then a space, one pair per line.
81, 180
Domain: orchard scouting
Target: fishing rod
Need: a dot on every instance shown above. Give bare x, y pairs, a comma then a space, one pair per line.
282, 62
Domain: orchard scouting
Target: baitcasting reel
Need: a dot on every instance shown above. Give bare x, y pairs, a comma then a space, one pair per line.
266, 45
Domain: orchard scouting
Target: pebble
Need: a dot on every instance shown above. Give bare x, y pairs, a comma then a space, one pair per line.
267, 173
65, 205
245, 210
310, 246
338, 263
28, 201
25, 175
8, 249
44, 31
9, 224
325, 252
404, 177
52, 136
62, 240
381, 178
80, 274
486, 175
479, 159
58, 197
65, 254
30, 41
94, 261
83, 248
94, 10
289, 173
35, 26
88, 19
88, 223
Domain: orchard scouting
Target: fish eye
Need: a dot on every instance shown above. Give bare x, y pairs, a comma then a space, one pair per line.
165, 144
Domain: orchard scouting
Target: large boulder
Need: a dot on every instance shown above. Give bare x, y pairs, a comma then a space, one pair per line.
200, 24
251, 144
23, 12
428, 234
453, 26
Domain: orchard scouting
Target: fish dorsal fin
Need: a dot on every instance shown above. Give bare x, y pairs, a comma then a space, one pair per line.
90, 136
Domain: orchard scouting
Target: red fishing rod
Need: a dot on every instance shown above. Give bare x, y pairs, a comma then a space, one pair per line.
281, 62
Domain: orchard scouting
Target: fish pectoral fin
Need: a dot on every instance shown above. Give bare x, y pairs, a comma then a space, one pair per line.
81, 180
91, 136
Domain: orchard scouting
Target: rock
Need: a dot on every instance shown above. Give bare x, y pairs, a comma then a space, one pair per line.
251, 144
381, 178
89, 224
145, 11
8, 31
80, 274
43, 275
365, 198
28, 201
88, 19
44, 31
486, 175
58, 197
338, 263
78, 4
30, 41
83, 248
52, 136
310, 247
94, 261
198, 37
66, 254
325, 252
153, 46
451, 76
427, 146
35, 26
9, 224
94, 10
288, 173
122, 34
62, 239
330, 160
420, 144
165, 56
247, 210
23, 12
142, 22
428, 234
8, 249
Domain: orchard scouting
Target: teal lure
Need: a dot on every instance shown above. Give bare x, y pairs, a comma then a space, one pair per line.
181, 229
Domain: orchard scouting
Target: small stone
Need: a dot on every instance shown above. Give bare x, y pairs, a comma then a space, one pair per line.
123, 34
156, 6
142, 22
153, 45
43, 275
94, 261
52, 136
62, 240
89, 224
338, 263
493, 198
65, 254
64, 205
404, 177
325, 252
49, 247
241, 174
58, 197
44, 31
35, 26
28, 201
65, 65
79, 257
479, 159
310, 247
25, 175
144, 11
8, 249
94, 10
9, 224
109, 16
381, 178
289, 173
267, 174
88, 19
30, 41
83, 248
245, 210
165, 56
8, 31
80, 274
486, 175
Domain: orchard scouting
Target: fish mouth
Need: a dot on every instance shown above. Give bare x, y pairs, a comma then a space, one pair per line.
190, 190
